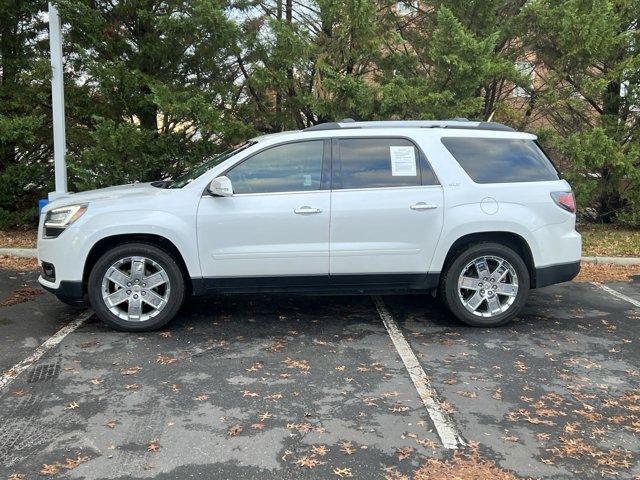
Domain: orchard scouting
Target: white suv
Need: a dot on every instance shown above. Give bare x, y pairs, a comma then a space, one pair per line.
472, 211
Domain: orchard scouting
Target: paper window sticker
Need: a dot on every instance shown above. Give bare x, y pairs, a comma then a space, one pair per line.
403, 161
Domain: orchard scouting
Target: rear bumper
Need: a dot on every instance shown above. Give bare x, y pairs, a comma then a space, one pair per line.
71, 293
552, 274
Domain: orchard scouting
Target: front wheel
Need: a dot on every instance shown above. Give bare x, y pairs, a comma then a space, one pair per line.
485, 285
136, 287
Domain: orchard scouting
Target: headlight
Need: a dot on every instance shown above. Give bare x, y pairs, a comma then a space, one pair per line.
58, 219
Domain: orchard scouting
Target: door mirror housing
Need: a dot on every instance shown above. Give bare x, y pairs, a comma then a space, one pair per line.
221, 187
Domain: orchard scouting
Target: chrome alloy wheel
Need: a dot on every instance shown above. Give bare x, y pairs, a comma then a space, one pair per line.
488, 286
135, 289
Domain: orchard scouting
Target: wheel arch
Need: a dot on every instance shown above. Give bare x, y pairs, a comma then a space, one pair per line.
509, 239
107, 243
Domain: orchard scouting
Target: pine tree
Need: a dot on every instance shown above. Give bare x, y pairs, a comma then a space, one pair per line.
25, 138
159, 75
591, 49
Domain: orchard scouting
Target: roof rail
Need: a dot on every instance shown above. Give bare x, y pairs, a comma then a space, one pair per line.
460, 123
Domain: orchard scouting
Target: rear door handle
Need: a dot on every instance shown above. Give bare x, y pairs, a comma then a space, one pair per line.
306, 210
423, 206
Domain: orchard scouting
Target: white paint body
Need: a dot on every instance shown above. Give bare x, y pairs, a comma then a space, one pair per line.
358, 231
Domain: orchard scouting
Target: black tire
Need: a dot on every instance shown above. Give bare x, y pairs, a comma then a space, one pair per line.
448, 289
163, 259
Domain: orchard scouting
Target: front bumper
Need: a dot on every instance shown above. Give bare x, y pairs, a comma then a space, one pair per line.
65, 254
71, 293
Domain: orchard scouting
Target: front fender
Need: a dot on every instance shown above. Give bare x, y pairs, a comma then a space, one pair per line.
177, 229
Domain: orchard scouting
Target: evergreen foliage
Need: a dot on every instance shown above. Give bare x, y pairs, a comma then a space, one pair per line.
155, 86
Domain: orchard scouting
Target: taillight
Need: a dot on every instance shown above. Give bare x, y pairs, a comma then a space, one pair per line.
565, 200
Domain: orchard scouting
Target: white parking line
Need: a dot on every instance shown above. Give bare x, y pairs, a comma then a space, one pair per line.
9, 375
617, 294
448, 434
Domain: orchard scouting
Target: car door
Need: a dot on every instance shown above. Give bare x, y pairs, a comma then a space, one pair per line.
276, 223
386, 210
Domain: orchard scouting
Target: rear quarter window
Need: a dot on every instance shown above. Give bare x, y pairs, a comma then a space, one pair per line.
501, 160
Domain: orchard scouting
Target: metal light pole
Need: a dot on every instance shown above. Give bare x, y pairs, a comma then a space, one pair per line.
57, 104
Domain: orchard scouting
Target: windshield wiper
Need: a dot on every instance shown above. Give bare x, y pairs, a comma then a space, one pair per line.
162, 183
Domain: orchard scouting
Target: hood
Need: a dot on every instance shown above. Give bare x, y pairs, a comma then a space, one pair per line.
117, 192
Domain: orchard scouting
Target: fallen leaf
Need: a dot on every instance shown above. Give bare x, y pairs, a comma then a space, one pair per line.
264, 416
153, 447
235, 430
254, 368
48, 470
72, 463
321, 450
404, 452
165, 360
308, 462
342, 472
301, 365
131, 370
347, 448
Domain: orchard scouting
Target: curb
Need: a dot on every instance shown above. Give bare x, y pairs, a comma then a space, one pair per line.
612, 260
20, 252
32, 253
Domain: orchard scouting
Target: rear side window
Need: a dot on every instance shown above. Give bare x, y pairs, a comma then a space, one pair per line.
501, 160
380, 162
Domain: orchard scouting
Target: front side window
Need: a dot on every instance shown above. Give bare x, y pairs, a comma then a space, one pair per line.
291, 167
379, 162
501, 160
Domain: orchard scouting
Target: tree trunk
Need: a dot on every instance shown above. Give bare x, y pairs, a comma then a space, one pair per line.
610, 200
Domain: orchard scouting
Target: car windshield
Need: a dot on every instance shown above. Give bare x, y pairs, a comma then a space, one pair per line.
187, 177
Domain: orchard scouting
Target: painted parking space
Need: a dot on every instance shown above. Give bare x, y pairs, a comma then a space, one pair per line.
315, 387
258, 388
631, 290
28, 316
554, 395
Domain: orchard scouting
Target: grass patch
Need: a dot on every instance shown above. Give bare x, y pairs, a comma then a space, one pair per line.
609, 241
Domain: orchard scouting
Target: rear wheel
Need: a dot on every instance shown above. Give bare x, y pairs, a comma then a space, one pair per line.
136, 287
485, 285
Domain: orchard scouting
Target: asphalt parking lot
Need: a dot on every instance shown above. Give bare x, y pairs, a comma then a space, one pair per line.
315, 387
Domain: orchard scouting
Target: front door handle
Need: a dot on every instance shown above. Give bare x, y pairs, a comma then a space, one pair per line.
306, 210
423, 206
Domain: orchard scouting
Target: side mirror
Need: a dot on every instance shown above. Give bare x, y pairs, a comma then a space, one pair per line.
221, 187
